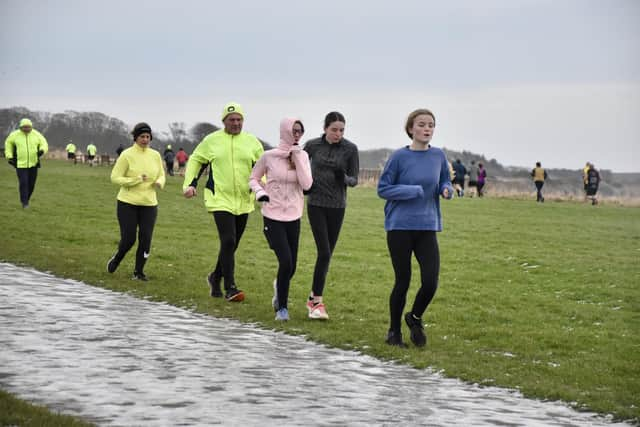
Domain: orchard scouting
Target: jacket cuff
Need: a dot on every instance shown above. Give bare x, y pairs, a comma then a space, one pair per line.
260, 193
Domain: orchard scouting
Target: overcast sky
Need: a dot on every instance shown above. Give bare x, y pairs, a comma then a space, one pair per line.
556, 81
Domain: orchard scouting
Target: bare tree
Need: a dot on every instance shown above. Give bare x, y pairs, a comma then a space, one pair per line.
200, 130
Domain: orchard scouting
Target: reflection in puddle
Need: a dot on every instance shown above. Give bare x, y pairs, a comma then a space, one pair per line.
117, 360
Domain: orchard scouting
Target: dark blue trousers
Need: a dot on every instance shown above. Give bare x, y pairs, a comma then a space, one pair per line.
27, 182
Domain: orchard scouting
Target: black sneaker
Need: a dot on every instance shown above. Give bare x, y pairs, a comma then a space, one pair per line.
214, 285
112, 265
234, 294
139, 276
395, 339
417, 330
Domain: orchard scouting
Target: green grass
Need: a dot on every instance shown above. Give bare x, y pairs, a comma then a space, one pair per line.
16, 412
543, 298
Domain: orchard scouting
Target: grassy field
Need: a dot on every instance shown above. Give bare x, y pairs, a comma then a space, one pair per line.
543, 298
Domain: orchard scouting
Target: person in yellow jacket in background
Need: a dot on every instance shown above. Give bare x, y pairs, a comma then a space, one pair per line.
92, 150
139, 172
539, 175
23, 149
230, 155
585, 178
71, 151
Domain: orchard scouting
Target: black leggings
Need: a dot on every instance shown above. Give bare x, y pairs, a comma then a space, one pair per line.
424, 244
230, 230
325, 226
283, 238
134, 218
27, 182
539, 185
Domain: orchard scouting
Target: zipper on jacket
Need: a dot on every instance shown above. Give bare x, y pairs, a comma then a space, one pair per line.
233, 169
26, 135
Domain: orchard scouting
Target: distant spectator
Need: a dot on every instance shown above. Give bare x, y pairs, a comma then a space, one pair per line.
119, 150
71, 152
593, 182
169, 157
181, 157
473, 178
23, 149
585, 178
482, 176
91, 153
539, 175
458, 182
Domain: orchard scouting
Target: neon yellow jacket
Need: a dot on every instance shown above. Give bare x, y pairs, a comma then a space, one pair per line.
71, 148
26, 146
231, 159
91, 150
134, 162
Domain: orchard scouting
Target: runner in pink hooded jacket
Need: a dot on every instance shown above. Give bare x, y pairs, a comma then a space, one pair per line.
288, 173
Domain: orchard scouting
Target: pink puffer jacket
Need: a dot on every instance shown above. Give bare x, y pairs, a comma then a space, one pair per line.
287, 172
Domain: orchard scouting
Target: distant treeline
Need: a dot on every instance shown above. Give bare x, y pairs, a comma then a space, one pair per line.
107, 133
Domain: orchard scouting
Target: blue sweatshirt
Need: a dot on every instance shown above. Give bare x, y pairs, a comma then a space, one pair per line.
411, 183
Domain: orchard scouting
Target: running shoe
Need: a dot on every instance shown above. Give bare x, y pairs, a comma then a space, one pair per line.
282, 314
274, 300
417, 330
309, 306
234, 294
395, 339
112, 265
139, 276
214, 285
318, 312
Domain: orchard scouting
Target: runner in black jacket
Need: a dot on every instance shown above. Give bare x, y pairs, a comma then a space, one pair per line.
334, 166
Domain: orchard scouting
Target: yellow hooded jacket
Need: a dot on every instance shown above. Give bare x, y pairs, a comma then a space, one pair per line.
25, 147
132, 163
231, 159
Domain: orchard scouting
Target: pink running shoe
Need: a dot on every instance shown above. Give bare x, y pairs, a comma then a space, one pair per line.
309, 306
318, 311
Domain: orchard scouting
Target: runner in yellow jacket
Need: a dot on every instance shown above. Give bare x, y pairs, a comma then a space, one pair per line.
23, 149
230, 155
139, 173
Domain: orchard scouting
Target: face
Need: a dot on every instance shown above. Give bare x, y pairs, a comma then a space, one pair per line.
334, 132
423, 128
143, 140
297, 132
233, 123
26, 129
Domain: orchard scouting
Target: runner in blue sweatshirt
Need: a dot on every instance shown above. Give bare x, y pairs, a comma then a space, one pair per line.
412, 182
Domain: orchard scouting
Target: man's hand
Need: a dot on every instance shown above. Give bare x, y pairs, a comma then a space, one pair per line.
189, 192
12, 162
